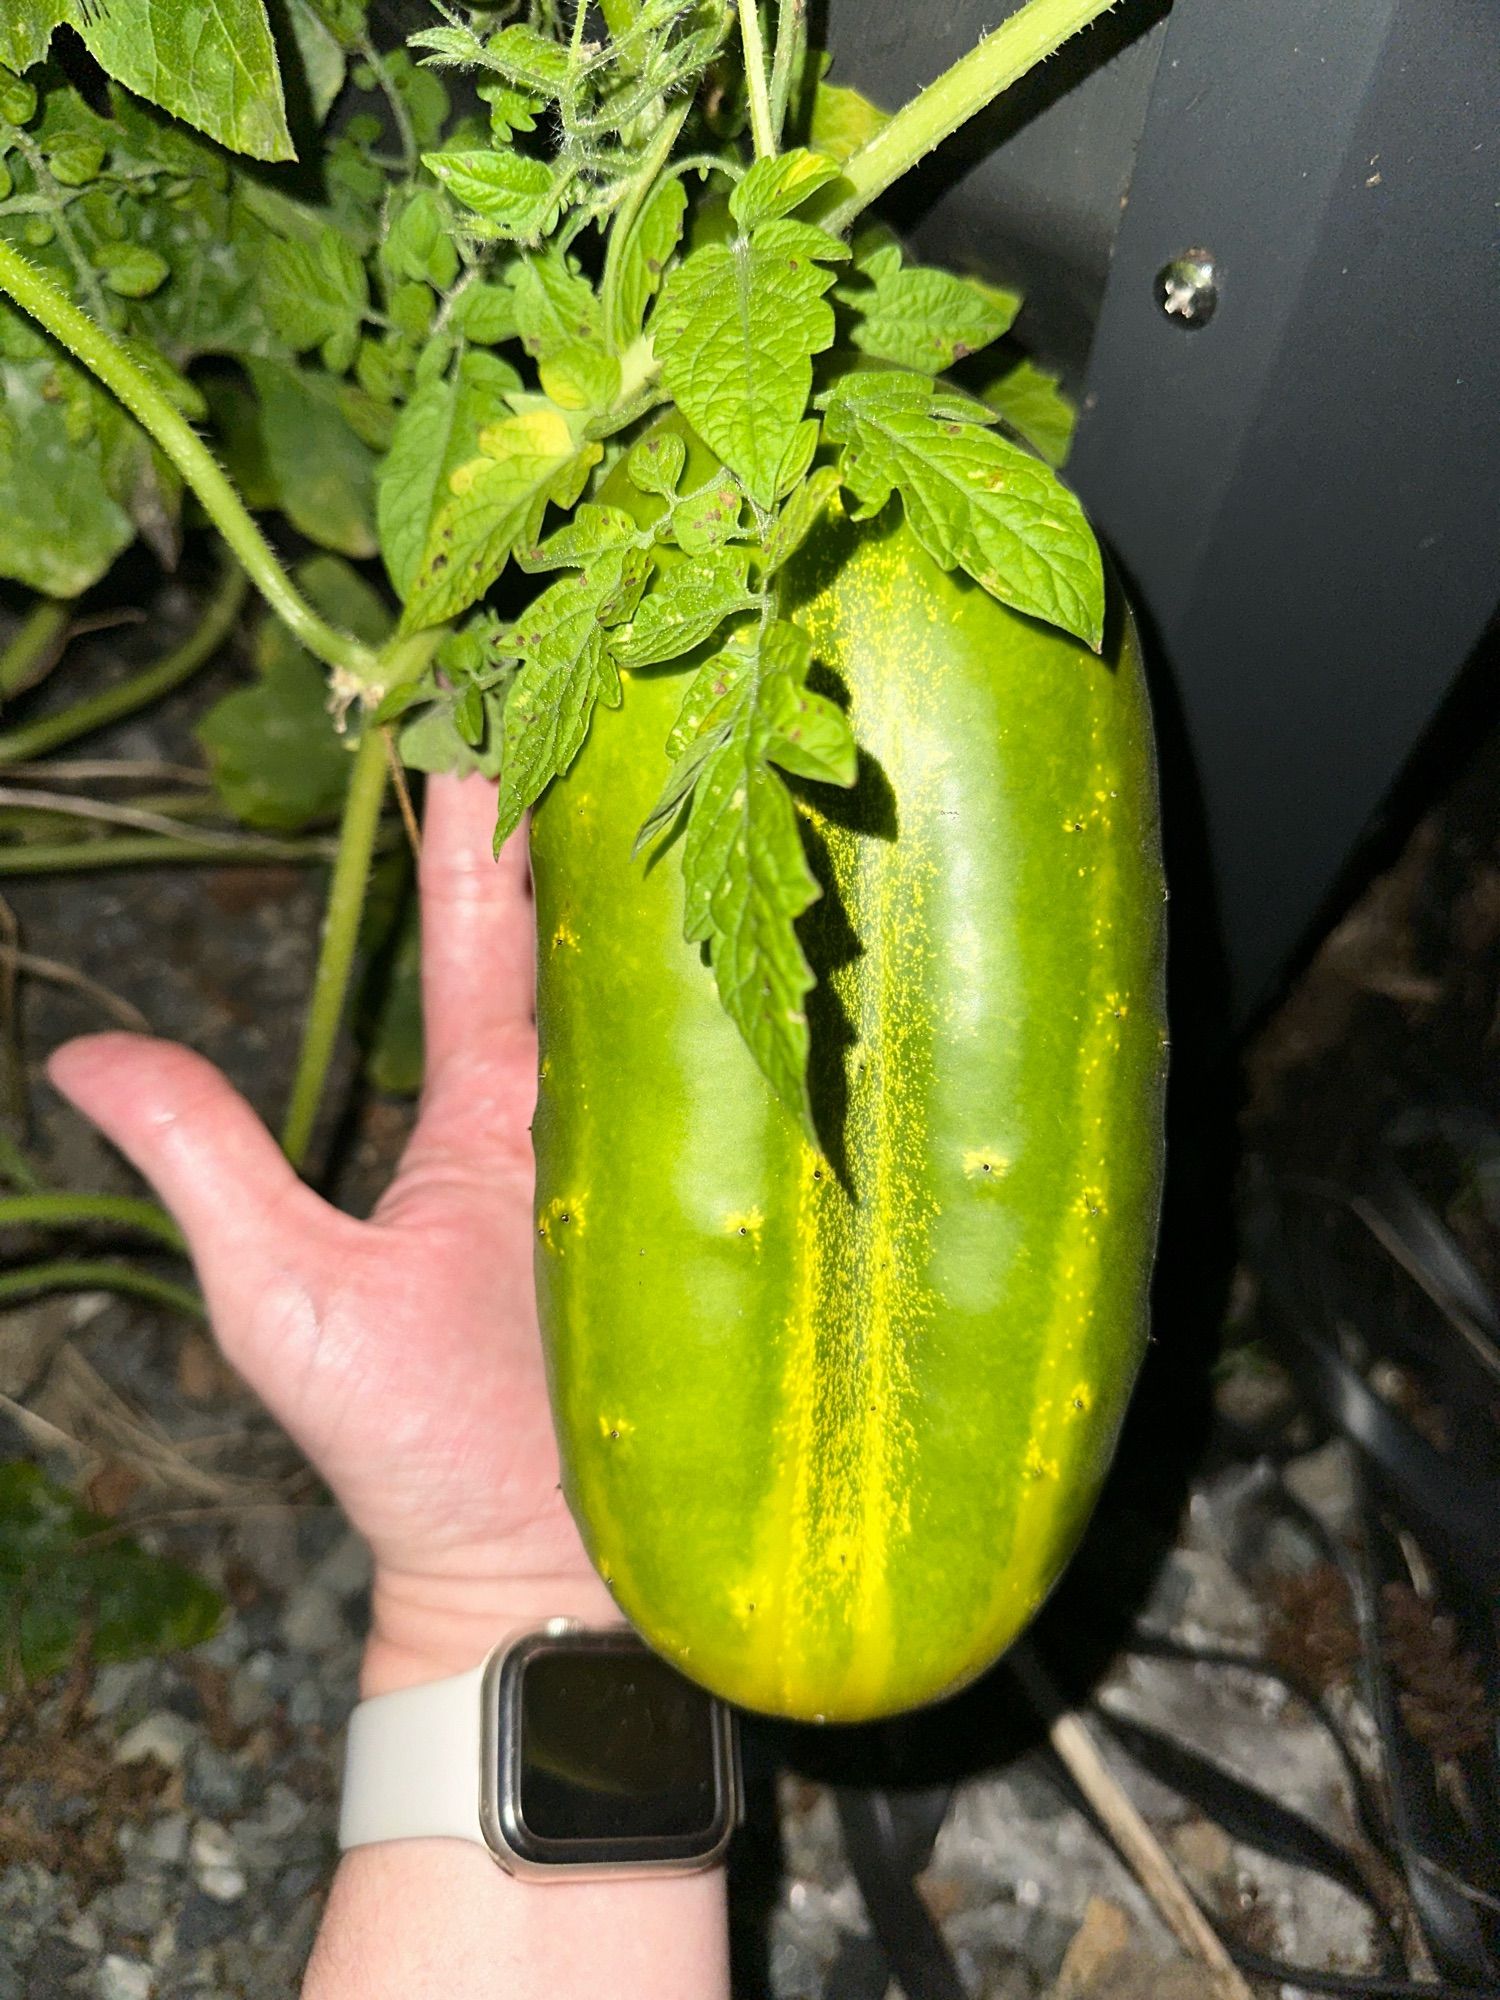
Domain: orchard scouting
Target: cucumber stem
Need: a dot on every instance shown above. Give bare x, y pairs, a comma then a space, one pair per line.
341, 921
57, 1211
35, 739
34, 647
102, 355
81, 1276
402, 660
755, 77
950, 100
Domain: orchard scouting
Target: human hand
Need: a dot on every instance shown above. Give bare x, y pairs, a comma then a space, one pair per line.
402, 1354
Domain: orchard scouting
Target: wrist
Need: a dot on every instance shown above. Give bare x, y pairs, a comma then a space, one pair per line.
424, 1628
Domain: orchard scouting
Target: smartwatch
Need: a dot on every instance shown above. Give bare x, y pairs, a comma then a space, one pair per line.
565, 1752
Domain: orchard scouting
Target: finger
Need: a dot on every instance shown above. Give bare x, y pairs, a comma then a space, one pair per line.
478, 932
201, 1147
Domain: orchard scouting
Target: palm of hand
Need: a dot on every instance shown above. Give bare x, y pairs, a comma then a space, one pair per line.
401, 1353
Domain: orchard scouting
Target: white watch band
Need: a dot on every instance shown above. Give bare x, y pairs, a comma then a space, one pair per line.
412, 1764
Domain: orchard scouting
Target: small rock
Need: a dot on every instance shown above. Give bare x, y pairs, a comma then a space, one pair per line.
87, 1932
216, 1782
1203, 1849
55, 1961
312, 1621
29, 1901
215, 1862
250, 1700
304, 1708
167, 1838
262, 1838
227, 1647
345, 1570
204, 1922
164, 1944
125, 1979
10, 1979
163, 1735
136, 1905
123, 1687
268, 1542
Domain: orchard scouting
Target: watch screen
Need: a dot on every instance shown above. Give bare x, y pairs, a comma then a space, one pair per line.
614, 1746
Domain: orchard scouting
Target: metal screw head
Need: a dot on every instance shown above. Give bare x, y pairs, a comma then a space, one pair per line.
1187, 289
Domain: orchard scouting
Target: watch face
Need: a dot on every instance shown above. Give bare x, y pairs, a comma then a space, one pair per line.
614, 1747
607, 1757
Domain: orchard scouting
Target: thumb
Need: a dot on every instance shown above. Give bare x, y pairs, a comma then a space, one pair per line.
199, 1144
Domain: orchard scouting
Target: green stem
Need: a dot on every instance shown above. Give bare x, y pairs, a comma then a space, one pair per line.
60, 1211
55, 207
401, 661
625, 220
81, 1276
103, 356
341, 921
16, 1168
34, 648
787, 65
948, 102
146, 850
400, 117
755, 77
35, 739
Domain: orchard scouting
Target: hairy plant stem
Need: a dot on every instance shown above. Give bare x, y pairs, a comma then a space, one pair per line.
80, 1276
99, 352
761, 124
625, 217
60, 1211
149, 850
953, 98
787, 64
401, 661
35, 739
34, 648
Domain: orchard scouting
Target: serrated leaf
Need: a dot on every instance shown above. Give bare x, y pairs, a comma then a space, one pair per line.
565, 669
532, 60
437, 432
736, 328
975, 501
494, 503
130, 270
1032, 402
655, 464
715, 684
581, 377
709, 517
746, 878
799, 456
688, 605
774, 187
213, 67
512, 192
653, 239
62, 1566
61, 525
324, 473
321, 56
486, 313
556, 309
918, 318
799, 516
418, 244
594, 531
811, 735
316, 291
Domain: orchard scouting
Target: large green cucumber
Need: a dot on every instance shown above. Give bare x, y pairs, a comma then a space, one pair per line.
832, 1425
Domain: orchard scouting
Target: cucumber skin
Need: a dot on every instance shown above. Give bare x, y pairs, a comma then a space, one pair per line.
831, 1454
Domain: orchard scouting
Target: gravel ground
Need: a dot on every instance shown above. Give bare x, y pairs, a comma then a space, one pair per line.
167, 1825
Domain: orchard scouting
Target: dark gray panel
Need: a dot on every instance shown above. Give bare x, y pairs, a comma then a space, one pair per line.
1306, 492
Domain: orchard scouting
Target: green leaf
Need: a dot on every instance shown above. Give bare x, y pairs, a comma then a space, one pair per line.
736, 328
592, 532
556, 310
920, 319
55, 1575
776, 186
975, 501
130, 269
486, 313
321, 56
437, 432
1032, 402
277, 761
532, 60
61, 524
744, 871
803, 510
324, 474
688, 605
418, 244
648, 251
581, 377
512, 192
494, 503
212, 66
565, 669
655, 464
709, 517
316, 294
843, 121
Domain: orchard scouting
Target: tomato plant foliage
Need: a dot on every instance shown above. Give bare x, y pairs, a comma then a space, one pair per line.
421, 298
